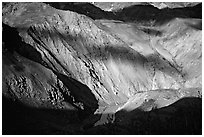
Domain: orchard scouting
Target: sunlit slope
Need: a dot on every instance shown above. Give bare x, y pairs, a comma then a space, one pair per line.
115, 60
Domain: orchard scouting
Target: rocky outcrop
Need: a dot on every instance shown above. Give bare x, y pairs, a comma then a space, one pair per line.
68, 61
116, 6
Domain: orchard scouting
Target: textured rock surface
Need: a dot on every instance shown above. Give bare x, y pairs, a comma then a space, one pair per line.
115, 6
95, 68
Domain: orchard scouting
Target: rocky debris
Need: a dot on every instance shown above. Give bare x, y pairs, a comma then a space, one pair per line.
67, 61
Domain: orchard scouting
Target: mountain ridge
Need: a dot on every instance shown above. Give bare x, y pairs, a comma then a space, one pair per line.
93, 69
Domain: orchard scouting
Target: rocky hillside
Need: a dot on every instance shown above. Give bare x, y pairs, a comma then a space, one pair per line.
115, 6
76, 69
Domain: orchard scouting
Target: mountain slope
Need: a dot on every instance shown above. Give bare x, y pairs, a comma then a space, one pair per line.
69, 61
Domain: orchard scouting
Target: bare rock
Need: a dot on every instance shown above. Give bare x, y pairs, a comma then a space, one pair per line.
96, 68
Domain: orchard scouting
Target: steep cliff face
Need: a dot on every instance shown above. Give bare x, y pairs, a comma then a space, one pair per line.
65, 60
